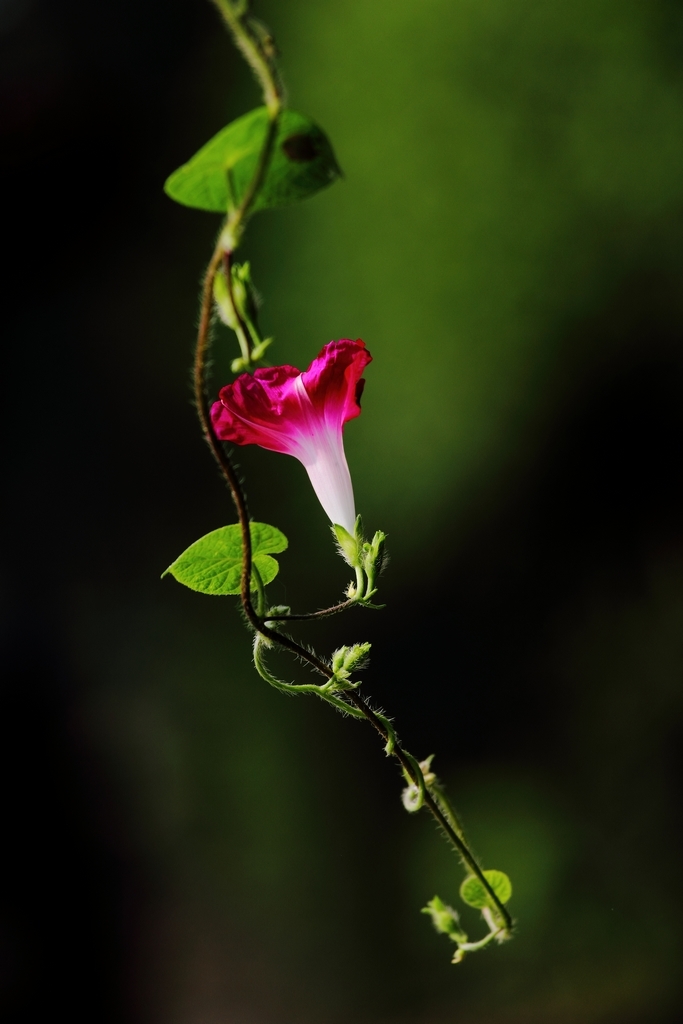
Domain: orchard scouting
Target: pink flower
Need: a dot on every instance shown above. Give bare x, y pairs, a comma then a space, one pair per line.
302, 414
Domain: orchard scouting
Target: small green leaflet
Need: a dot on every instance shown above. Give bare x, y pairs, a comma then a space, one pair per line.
302, 162
474, 893
213, 564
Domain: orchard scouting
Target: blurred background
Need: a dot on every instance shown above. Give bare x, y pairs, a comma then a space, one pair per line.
183, 845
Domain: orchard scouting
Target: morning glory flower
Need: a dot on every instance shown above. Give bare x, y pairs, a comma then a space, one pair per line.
302, 414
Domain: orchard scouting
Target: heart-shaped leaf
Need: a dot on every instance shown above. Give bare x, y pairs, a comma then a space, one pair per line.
216, 178
213, 564
474, 893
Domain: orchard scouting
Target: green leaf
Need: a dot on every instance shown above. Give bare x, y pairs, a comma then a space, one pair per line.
474, 893
302, 162
213, 564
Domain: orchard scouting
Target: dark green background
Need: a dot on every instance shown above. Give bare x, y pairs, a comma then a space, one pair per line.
186, 846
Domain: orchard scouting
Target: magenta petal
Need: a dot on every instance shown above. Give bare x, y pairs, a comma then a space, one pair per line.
258, 409
333, 380
302, 414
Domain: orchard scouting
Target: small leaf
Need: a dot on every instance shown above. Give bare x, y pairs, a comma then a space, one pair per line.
215, 178
474, 893
213, 564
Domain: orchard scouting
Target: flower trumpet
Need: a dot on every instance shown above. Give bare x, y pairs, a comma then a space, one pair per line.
302, 414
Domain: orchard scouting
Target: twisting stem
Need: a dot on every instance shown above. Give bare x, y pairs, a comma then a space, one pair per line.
258, 52
454, 837
203, 340
228, 470
321, 614
254, 49
447, 808
203, 411
281, 639
261, 605
262, 166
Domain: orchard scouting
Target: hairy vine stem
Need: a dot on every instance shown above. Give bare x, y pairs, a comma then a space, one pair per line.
258, 49
321, 614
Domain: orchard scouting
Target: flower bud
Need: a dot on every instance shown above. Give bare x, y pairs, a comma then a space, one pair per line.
347, 659
259, 350
243, 296
239, 365
445, 919
372, 558
222, 300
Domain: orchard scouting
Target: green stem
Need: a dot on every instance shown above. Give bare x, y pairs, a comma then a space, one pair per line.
321, 614
262, 63
414, 772
360, 584
261, 604
293, 688
254, 334
253, 50
471, 947
447, 807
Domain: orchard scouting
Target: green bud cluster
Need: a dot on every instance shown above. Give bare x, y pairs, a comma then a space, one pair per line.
239, 311
366, 557
413, 796
345, 660
445, 920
